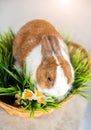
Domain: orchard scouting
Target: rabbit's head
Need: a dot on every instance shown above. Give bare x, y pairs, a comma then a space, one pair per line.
55, 74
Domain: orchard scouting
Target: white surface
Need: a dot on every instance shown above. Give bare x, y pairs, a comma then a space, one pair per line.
69, 16
86, 124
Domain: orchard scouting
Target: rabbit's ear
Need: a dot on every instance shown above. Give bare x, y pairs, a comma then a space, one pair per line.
46, 47
54, 44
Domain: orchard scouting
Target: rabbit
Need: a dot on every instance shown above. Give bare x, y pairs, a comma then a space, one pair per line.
40, 47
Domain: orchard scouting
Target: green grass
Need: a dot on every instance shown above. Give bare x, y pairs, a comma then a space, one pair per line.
13, 82
6, 58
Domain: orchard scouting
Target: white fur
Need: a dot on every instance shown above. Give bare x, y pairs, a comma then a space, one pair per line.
63, 46
60, 87
55, 58
33, 60
66, 57
64, 53
64, 50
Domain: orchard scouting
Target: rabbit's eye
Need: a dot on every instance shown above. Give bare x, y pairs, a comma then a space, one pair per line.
49, 79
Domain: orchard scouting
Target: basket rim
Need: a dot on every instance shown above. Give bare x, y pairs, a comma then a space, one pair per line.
12, 110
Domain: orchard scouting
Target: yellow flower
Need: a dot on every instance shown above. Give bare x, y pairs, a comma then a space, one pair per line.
41, 100
18, 96
28, 94
38, 93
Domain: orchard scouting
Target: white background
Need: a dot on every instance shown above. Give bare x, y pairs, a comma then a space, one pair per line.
68, 16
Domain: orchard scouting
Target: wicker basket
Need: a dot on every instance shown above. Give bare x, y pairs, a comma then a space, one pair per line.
12, 110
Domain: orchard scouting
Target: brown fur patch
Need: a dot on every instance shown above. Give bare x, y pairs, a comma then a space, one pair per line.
63, 63
47, 69
55, 45
46, 48
46, 72
29, 37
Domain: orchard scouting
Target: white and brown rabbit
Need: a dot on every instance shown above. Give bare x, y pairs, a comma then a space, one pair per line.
42, 50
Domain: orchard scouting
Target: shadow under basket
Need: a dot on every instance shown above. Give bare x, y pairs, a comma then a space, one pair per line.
12, 110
